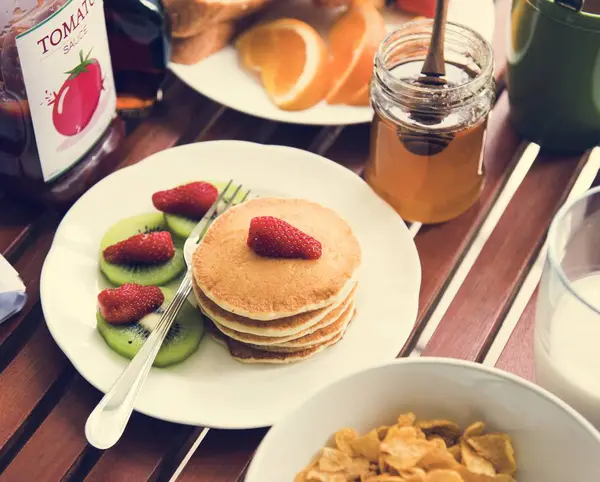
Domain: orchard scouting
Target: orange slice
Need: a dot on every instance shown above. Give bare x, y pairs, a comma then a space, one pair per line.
361, 97
291, 60
254, 47
353, 41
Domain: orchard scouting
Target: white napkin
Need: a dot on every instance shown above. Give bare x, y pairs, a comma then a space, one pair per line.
12, 291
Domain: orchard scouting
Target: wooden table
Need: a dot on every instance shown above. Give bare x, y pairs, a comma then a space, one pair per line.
478, 275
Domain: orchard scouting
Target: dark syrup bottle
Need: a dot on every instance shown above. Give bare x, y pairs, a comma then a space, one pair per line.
139, 36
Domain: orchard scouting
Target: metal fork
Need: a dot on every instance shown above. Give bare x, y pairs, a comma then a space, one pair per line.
108, 420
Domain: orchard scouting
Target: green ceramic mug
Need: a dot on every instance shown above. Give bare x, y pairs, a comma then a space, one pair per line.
553, 72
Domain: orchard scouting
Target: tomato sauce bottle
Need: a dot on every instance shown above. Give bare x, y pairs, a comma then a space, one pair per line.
58, 124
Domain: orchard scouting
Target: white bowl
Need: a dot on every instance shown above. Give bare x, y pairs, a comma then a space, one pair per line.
553, 443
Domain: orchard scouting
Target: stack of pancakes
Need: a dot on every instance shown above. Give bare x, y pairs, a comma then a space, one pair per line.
273, 310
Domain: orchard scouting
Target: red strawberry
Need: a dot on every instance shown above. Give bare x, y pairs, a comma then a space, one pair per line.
274, 238
129, 303
150, 248
191, 200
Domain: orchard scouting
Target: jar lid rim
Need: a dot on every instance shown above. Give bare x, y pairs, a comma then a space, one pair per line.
417, 90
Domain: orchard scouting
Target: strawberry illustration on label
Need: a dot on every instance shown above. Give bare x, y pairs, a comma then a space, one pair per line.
77, 99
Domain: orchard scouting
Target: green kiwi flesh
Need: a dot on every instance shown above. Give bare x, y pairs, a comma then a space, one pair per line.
182, 339
155, 274
182, 226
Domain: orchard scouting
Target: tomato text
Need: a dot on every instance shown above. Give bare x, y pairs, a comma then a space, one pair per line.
63, 32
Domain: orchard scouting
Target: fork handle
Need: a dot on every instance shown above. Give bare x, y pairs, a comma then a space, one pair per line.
107, 422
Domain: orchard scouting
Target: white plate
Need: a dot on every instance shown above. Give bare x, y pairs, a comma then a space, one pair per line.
552, 442
221, 78
210, 388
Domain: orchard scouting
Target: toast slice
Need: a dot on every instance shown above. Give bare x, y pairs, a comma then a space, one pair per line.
191, 17
191, 50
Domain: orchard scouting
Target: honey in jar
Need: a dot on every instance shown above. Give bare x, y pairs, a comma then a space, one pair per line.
427, 141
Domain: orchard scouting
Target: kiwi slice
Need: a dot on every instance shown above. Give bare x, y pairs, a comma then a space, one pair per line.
182, 226
181, 341
142, 274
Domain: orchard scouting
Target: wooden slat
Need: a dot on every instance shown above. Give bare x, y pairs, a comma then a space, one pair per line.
26, 381
236, 125
204, 122
56, 446
351, 147
325, 138
293, 135
517, 356
438, 260
29, 266
16, 222
477, 311
146, 447
222, 456
175, 116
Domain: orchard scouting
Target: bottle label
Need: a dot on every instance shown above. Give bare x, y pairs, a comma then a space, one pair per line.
69, 81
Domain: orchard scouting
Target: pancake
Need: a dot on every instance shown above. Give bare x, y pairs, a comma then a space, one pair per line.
245, 354
238, 280
316, 338
332, 324
260, 332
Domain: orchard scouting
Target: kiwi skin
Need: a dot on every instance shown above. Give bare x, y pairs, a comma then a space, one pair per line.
182, 226
146, 275
181, 342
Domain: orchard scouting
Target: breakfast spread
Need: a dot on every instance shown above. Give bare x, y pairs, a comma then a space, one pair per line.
414, 450
277, 278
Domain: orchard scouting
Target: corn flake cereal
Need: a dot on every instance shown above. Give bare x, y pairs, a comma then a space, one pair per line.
344, 439
414, 450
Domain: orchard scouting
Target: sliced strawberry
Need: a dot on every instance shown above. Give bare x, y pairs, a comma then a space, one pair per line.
191, 200
274, 238
129, 303
149, 248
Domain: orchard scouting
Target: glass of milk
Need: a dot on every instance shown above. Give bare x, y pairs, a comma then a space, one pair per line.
567, 322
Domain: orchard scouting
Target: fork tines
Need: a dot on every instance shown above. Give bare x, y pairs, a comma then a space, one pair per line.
227, 205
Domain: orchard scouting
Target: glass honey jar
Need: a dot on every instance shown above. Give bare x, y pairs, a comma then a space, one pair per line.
427, 141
